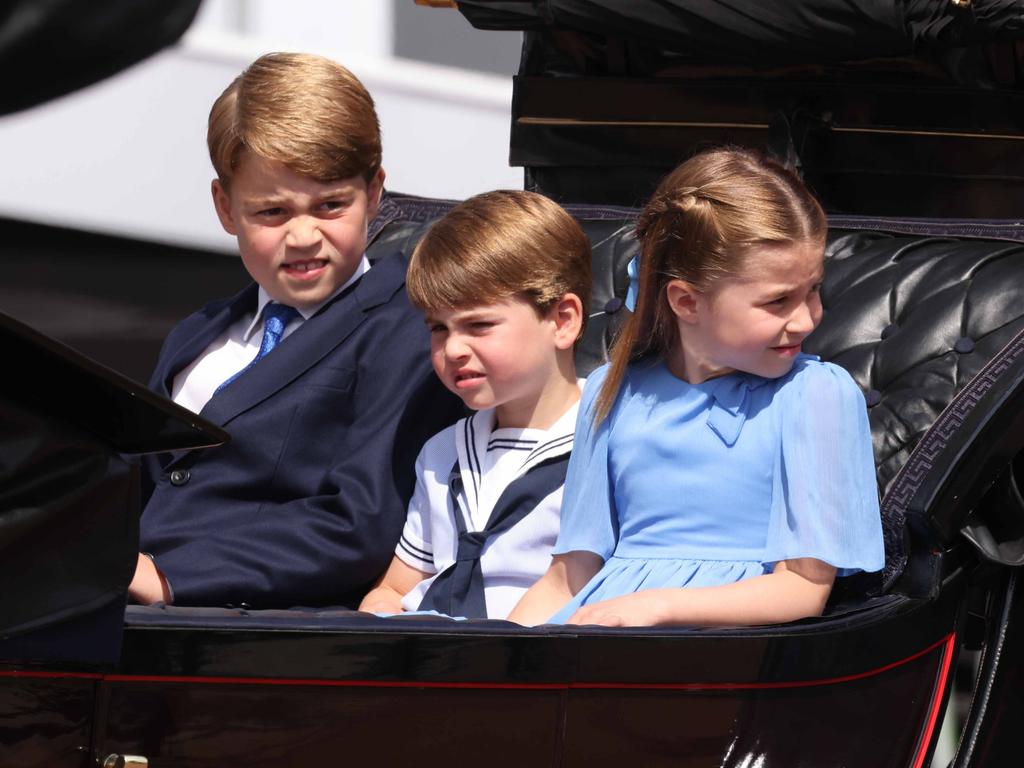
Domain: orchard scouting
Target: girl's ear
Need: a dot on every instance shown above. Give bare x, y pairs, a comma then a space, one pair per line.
567, 315
222, 204
683, 299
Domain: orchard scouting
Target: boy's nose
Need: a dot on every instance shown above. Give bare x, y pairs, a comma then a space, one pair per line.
455, 347
303, 232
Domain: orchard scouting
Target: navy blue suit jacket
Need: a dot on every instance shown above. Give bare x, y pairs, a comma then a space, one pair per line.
305, 504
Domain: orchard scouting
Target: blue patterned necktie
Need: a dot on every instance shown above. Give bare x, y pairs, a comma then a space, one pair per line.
275, 319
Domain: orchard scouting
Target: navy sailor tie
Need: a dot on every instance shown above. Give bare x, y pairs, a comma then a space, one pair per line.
459, 589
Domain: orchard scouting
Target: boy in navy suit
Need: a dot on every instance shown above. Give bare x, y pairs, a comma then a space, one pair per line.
319, 369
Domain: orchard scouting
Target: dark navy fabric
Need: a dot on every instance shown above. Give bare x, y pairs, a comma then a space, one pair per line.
459, 589
305, 503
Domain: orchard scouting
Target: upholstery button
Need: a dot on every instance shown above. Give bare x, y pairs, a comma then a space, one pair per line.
964, 346
613, 305
872, 397
889, 330
180, 476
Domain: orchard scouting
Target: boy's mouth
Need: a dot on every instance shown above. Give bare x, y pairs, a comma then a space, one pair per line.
465, 379
305, 266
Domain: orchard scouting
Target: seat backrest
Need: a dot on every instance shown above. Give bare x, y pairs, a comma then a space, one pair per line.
914, 318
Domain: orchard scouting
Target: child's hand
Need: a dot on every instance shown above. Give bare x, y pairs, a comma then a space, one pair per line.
398, 580
388, 607
646, 608
148, 585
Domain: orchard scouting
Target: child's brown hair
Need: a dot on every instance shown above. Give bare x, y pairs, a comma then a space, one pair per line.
499, 245
698, 227
304, 111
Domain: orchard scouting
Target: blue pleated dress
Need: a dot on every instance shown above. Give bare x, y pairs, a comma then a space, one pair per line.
688, 485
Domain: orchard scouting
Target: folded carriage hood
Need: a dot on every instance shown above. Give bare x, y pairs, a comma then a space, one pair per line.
53, 47
770, 31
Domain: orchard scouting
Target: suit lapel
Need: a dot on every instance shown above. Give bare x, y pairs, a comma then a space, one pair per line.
208, 327
307, 346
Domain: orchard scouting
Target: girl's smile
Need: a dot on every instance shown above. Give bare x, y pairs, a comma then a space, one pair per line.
755, 321
791, 350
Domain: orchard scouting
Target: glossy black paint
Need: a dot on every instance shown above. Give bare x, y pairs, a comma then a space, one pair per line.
348, 646
69, 498
190, 725
189, 695
193, 695
992, 732
46, 722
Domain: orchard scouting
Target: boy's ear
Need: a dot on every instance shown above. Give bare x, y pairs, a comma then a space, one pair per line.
374, 191
222, 204
567, 315
683, 299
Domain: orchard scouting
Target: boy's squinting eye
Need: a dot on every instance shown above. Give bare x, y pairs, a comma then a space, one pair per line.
434, 327
333, 205
270, 213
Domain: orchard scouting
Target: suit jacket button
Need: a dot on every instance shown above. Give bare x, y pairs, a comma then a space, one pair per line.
180, 477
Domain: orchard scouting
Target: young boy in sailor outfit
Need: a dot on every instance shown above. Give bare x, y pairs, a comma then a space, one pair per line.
504, 280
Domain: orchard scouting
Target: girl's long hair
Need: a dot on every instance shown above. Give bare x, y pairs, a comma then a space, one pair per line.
696, 227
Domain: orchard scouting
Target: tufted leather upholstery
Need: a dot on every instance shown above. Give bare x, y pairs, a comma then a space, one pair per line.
913, 318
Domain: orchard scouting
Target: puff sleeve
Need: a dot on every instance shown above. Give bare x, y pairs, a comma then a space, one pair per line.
825, 497
589, 520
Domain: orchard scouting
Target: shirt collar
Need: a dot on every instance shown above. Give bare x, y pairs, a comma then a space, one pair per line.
264, 298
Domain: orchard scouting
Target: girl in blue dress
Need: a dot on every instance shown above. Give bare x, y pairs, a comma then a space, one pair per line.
719, 475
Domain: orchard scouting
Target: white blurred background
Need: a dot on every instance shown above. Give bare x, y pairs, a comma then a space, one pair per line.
128, 156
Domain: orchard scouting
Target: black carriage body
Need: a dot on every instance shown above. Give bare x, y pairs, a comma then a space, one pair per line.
926, 314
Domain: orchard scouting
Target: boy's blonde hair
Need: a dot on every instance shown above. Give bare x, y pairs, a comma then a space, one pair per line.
306, 112
699, 226
500, 245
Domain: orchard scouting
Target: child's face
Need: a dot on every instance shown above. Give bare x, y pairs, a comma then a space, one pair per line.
503, 356
299, 238
754, 321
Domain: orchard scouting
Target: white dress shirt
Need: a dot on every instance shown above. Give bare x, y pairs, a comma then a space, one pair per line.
236, 347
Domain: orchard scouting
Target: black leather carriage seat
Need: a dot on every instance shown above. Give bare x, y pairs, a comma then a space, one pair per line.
913, 317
